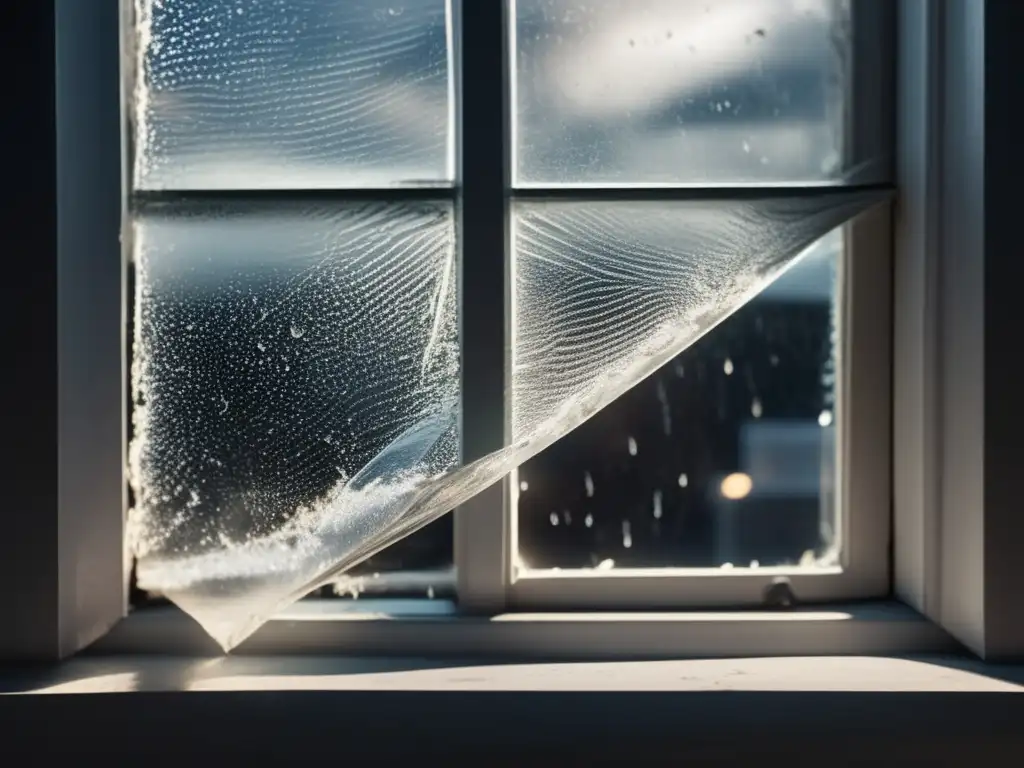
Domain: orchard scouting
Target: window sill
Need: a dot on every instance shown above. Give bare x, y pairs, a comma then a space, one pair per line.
433, 628
934, 709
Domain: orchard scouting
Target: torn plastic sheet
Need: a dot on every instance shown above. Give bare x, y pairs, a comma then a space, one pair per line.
296, 369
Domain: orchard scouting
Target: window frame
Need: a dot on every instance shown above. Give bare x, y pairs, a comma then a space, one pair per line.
65, 569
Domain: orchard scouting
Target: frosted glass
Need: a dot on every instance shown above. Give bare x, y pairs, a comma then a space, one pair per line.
296, 369
680, 91
284, 357
291, 94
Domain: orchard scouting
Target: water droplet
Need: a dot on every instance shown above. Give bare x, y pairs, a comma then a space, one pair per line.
430, 593
746, 147
605, 565
773, 360
666, 409
727, 366
755, 408
726, 566
627, 535
588, 483
631, 444
755, 564
825, 418
553, 517
683, 480
588, 521
657, 505
523, 486
297, 332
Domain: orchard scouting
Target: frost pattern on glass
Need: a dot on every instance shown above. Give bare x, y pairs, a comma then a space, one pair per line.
681, 91
287, 94
339, 328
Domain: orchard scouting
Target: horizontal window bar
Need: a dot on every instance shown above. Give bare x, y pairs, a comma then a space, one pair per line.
567, 193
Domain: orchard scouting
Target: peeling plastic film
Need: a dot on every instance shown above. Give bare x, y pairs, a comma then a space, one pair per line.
296, 369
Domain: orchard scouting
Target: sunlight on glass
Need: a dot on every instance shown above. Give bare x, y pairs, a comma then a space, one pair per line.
690, 91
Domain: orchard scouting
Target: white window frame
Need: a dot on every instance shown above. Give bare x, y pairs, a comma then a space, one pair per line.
955, 522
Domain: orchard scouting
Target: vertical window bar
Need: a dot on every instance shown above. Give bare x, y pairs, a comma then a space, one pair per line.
481, 524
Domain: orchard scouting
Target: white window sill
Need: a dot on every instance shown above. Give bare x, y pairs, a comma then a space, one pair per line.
934, 710
428, 628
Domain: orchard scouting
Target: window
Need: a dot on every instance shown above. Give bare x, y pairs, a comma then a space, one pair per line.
953, 534
355, 257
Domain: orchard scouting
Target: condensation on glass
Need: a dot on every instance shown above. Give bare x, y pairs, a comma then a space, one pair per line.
681, 91
292, 94
724, 458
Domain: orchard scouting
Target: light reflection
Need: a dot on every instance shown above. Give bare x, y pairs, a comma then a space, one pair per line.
736, 486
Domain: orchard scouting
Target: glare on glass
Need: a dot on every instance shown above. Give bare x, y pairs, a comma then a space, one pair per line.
680, 91
292, 94
723, 458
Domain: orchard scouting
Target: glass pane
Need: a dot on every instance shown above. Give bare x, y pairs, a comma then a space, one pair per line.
680, 91
278, 349
420, 565
724, 457
292, 94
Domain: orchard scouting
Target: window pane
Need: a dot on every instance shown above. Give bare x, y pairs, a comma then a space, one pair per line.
253, 94
279, 348
684, 91
725, 457
420, 565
